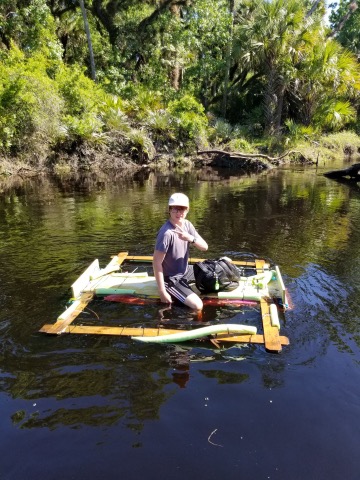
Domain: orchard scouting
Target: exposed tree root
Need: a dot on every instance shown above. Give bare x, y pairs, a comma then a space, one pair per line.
272, 160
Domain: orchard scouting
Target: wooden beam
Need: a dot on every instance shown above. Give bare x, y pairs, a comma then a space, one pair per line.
258, 338
259, 264
120, 257
147, 259
78, 286
271, 334
69, 315
151, 332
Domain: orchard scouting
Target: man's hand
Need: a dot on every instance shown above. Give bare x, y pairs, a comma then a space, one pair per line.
187, 237
165, 297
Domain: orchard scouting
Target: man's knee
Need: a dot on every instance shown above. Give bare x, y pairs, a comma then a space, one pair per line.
194, 301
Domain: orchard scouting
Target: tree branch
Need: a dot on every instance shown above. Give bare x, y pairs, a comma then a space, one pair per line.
273, 160
353, 6
163, 6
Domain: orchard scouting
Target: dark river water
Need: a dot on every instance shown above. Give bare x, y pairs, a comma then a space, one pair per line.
94, 407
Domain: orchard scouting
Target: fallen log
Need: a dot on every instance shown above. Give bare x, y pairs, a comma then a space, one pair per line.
353, 172
272, 160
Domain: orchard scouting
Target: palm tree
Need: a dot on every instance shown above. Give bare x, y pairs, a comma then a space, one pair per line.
275, 36
327, 78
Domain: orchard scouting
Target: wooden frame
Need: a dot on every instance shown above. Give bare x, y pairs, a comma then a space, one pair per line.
270, 338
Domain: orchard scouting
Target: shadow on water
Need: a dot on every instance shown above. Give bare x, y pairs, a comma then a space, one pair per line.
112, 400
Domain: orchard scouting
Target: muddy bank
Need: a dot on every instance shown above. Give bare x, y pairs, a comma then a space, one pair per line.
100, 162
75, 162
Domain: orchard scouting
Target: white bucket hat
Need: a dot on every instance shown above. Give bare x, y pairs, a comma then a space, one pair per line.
178, 200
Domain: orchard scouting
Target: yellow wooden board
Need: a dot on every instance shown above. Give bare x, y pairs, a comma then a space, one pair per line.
271, 334
147, 258
153, 332
66, 319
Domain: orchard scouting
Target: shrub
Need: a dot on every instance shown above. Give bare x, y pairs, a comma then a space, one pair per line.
141, 146
240, 145
30, 105
190, 120
83, 105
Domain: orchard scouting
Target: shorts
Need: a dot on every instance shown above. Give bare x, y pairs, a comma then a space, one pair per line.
178, 286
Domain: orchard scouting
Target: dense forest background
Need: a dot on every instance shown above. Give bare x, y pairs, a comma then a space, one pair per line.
146, 77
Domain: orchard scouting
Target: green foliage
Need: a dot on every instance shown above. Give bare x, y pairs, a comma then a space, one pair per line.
76, 50
142, 101
164, 69
240, 145
297, 132
341, 141
190, 119
113, 114
162, 126
83, 104
30, 105
31, 27
221, 131
333, 114
141, 146
206, 32
347, 31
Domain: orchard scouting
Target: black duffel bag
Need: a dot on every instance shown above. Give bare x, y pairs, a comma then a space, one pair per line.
216, 275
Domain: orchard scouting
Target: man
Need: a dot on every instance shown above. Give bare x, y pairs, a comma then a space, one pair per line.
171, 255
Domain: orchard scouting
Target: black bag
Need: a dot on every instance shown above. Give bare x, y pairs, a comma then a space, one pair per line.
216, 275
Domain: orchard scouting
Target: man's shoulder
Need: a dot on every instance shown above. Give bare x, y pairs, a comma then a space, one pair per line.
189, 226
166, 227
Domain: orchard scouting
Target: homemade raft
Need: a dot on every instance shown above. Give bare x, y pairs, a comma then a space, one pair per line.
265, 288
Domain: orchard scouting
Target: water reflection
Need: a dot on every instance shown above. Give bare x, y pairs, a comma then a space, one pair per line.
102, 387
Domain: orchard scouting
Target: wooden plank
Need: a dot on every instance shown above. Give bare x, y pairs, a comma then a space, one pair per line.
120, 331
65, 318
259, 264
93, 272
130, 275
271, 334
78, 286
120, 257
105, 271
258, 338
107, 330
147, 258
282, 286
151, 332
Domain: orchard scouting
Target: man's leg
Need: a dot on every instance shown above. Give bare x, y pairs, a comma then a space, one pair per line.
181, 291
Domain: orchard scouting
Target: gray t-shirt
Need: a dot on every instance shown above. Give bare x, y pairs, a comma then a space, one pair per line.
176, 250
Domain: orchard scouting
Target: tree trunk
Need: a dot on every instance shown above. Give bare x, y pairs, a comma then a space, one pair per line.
106, 12
88, 36
353, 172
353, 6
273, 98
279, 106
175, 74
270, 99
228, 60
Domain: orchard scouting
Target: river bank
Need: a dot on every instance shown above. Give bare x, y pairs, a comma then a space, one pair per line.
86, 158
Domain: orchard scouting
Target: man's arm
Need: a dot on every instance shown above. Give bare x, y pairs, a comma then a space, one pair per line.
199, 242
158, 258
